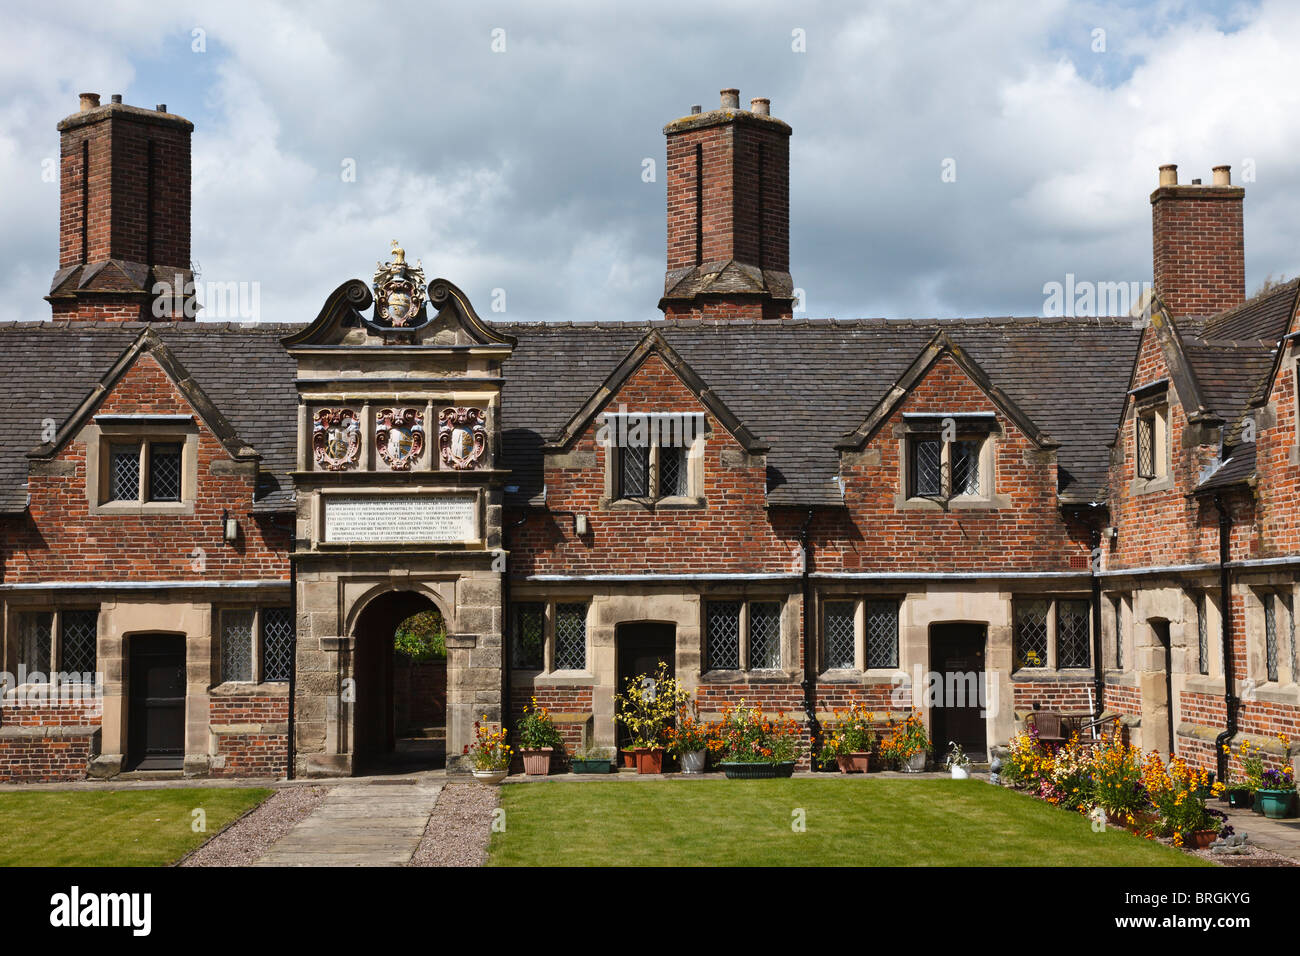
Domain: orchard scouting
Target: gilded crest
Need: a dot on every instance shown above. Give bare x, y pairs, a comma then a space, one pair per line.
399, 437
462, 437
399, 290
336, 439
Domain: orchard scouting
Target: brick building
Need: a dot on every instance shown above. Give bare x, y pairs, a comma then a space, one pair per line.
212, 530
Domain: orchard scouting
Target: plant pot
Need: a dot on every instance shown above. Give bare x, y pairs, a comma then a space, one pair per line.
1199, 839
537, 763
736, 770
855, 762
629, 759
649, 760
1241, 798
592, 765
1276, 804
693, 761
914, 763
490, 776
960, 773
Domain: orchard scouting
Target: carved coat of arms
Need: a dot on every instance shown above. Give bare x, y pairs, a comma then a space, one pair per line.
399, 290
399, 437
336, 439
462, 437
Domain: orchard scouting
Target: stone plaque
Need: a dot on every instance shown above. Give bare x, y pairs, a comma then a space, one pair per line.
409, 519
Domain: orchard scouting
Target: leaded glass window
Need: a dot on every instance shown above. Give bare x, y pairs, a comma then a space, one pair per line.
765, 635
237, 645
1270, 635
1146, 446
1072, 645
672, 472
1202, 633
528, 640
1295, 659
1031, 633
927, 468
164, 472
634, 471
839, 635
277, 643
78, 637
882, 633
723, 635
1119, 634
124, 473
570, 637
35, 642
966, 468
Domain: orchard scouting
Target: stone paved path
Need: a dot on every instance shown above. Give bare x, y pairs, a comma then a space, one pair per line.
359, 824
1280, 836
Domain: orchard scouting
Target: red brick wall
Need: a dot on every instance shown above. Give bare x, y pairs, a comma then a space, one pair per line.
62, 540
25, 759
1198, 248
250, 755
1070, 697
1278, 510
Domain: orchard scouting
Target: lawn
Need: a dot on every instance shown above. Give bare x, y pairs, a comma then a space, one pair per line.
849, 822
114, 827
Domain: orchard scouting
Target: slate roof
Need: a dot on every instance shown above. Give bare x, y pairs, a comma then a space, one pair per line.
1069, 375
48, 368
799, 386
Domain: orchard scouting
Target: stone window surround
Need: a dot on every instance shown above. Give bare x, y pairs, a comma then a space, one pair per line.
368, 458
1256, 663
745, 673
257, 686
105, 432
548, 676
1110, 641
1050, 666
693, 499
987, 500
859, 671
12, 647
1213, 632
1155, 404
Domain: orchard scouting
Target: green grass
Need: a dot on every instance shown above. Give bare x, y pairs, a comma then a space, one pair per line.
113, 827
872, 822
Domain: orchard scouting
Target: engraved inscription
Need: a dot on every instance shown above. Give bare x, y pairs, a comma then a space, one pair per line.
415, 519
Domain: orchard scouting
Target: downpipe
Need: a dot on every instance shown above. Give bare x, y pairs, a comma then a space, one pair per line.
1230, 700
809, 681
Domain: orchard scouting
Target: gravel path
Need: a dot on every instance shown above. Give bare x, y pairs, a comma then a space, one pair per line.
460, 827
248, 839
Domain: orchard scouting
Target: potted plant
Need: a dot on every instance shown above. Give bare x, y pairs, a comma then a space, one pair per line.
1241, 794
754, 747
593, 760
849, 740
1276, 796
1174, 791
689, 741
647, 708
957, 763
538, 739
489, 754
908, 743
1117, 780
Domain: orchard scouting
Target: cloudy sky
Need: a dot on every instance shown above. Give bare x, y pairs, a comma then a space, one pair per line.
521, 169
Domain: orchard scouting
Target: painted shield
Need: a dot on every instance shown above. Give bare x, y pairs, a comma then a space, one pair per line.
399, 437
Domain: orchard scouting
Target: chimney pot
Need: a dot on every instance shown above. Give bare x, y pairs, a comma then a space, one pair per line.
89, 101
117, 97
731, 99
161, 107
1223, 175
761, 105
695, 110
1196, 182
1169, 175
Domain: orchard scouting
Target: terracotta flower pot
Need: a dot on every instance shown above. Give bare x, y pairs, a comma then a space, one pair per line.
854, 762
537, 763
649, 760
1199, 839
629, 759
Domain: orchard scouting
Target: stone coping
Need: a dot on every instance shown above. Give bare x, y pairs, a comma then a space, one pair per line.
53, 730
250, 689
226, 730
1270, 745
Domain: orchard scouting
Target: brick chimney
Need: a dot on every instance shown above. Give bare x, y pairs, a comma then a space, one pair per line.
124, 213
728, 214
1197, 243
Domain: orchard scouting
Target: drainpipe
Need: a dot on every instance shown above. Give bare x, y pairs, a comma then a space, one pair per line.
1098, 673
809, 682
1230, 700
293, 660
506, 698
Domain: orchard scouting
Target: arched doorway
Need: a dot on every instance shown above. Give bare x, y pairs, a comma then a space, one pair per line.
399, 721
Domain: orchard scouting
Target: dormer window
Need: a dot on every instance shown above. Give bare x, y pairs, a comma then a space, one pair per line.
1151, 437
654, 457
141, 463
948, 458
144, 471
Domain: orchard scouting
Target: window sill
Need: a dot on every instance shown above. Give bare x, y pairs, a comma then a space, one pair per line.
758, 675
1047, 674
564, 679
1146, 486
239, 688
962, 503
674, 503
143, 508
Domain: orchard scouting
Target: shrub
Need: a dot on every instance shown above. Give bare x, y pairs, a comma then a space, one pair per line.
422, 637
746, 736
906, 738
648, 706
1117, 778
1174, 791
850, 733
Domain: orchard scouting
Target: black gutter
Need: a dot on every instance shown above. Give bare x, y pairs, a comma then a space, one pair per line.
1230, 701
809, 681
507, 698
1098, 672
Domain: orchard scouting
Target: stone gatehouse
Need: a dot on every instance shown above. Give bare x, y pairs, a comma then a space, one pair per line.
212, 532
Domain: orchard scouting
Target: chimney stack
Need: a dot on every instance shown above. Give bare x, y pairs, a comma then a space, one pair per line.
1198, 248
728, 184
124, 213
